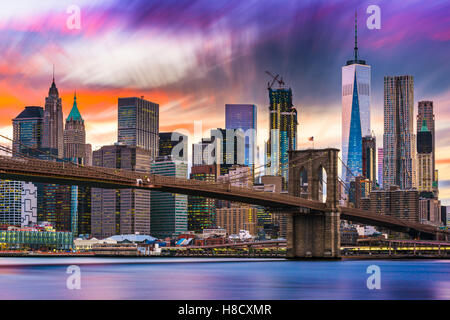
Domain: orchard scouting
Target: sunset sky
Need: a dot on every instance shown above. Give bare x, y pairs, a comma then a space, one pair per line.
192, 57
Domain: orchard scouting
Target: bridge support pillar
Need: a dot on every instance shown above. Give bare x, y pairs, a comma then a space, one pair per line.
314, 236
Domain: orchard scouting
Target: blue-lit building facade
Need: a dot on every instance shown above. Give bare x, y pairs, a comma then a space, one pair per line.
356, 91
283, 132
244, 117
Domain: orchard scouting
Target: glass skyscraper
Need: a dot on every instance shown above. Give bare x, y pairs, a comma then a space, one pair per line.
356, 87
168, 212
244, 117
283, 132
138, 121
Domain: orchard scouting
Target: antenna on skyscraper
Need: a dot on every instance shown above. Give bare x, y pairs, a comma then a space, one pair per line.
356, 37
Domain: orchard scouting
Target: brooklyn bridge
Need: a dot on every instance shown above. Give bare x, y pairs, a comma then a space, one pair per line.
313, 229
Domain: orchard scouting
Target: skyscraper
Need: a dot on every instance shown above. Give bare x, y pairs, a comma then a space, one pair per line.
369, 158
380, 167
123, 211
201, 210
169, 215
76, 150
75, 147
356, 87
28, 131
283, 132
232, 150
138, 122
170, 140
425, 112
244, 117
425, 171
53, 122
27, 140
399, 141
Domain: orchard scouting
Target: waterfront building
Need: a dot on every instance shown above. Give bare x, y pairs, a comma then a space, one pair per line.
235, 219
283, 132
425, 113
138, 124
42, 237
399, 141
244, 117
10, 202
201, 210
121, 211
169, 212
356, 91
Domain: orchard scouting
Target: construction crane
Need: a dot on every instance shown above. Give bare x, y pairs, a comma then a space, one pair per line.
275, 78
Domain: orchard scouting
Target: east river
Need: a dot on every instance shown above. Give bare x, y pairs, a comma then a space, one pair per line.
205, 279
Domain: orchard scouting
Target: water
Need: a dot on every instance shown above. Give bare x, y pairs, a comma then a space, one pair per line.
191, 278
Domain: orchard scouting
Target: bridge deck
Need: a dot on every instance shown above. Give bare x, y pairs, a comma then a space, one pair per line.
70, 174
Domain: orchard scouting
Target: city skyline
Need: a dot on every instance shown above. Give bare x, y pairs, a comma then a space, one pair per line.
98, 100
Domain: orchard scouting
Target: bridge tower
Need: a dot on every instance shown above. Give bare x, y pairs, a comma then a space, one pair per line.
314, 234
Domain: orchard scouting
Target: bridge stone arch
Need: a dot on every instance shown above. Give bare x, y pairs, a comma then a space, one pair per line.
313, 160
315, 234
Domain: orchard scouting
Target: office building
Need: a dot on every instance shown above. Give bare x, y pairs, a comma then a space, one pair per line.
356, 90
235, 219
232, 150
173, 144
426, 113
392, 201
10, 202
169, 212
52, 137
425, 173
430, 211
380, 167
76, 150
399, 141
28, 131
138, 124
27, 141
201, 210
244, 117
369, 158
122, 211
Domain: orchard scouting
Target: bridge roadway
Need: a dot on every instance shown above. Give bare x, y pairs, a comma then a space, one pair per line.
70, 174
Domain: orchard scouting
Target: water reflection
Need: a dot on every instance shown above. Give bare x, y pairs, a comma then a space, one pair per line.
45, 278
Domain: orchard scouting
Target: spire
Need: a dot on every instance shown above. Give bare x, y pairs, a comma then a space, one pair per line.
74, 114
356, 36
53, 91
